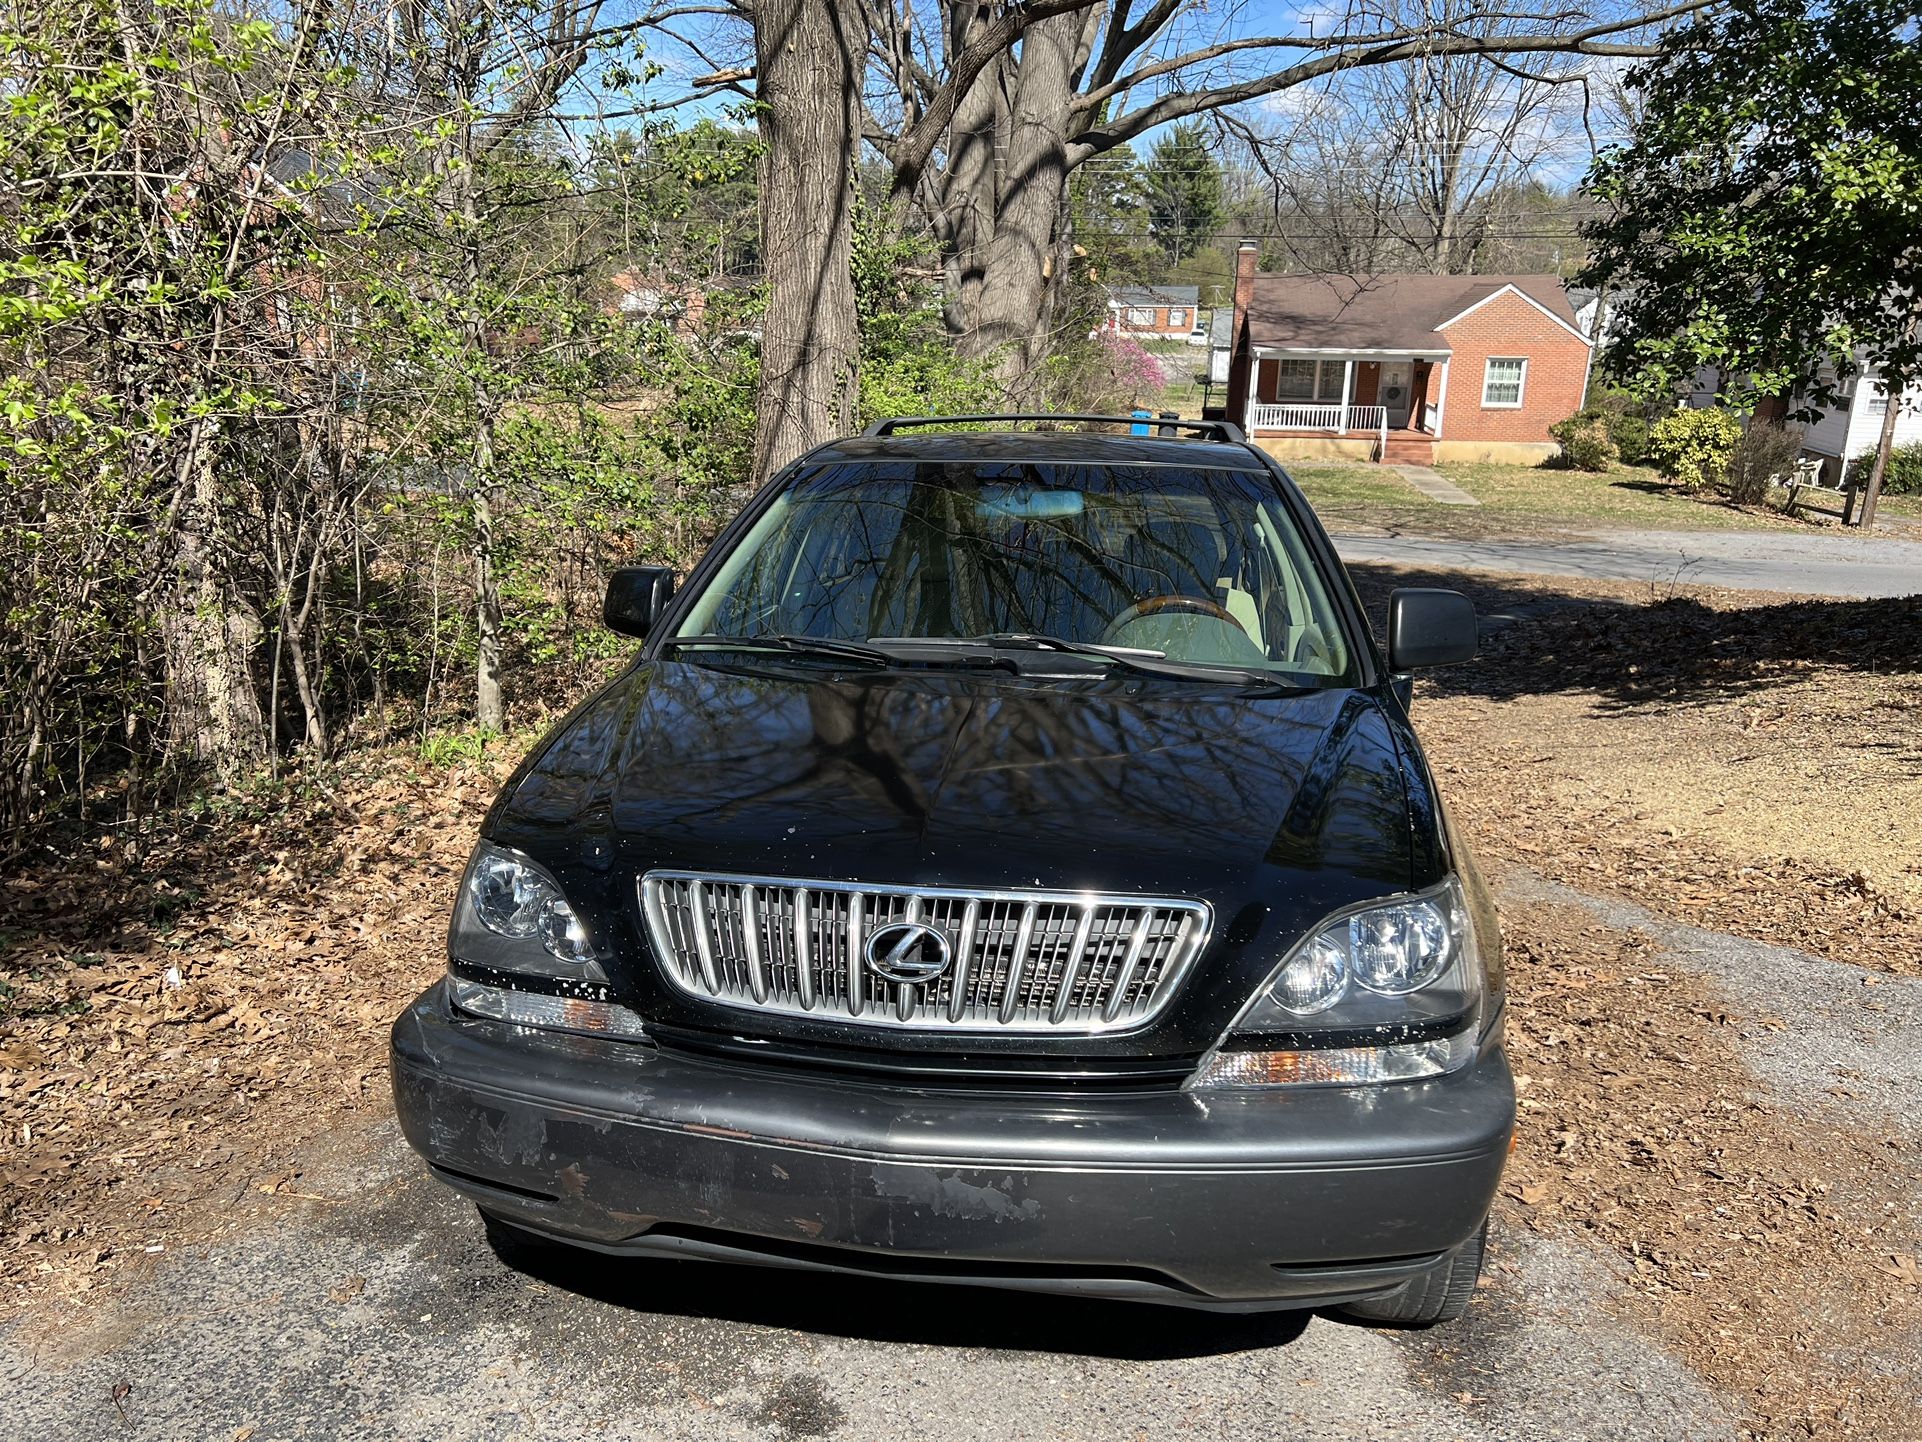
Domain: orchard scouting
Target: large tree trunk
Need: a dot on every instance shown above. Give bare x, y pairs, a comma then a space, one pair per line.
209, 634
963, 207
809, 54
1008, 320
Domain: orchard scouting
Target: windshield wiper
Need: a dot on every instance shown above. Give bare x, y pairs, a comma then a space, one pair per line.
1029, 641
800, 645
1132, 658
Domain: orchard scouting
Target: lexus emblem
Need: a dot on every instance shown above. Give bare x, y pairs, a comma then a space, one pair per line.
908, 953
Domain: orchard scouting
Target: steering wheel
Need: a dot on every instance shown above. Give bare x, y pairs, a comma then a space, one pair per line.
1191, 605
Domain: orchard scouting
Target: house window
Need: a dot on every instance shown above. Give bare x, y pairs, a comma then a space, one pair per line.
1295, 380
1141, 315
1330, 375
1177, 317
1502, 382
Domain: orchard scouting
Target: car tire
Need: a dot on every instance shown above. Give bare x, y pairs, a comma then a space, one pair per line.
1438, 1296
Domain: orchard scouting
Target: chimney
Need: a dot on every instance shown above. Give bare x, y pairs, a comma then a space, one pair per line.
1247, 257
1240, 363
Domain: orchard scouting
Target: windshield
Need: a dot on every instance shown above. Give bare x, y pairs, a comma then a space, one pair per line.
1196, 565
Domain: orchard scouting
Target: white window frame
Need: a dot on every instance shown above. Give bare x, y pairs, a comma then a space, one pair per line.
1306, 397
1177, 315
1521, 382
1140, 315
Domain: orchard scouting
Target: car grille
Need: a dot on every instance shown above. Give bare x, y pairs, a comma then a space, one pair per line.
1022, 961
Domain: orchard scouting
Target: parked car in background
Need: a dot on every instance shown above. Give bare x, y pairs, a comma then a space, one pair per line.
1007, 860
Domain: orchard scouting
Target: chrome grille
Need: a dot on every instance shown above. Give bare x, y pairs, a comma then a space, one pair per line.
1023, 961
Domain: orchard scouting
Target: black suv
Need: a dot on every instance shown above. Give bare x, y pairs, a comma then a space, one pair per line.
1007, 860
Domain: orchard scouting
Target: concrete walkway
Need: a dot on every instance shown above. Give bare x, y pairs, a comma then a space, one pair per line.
1434, 485
1855, 566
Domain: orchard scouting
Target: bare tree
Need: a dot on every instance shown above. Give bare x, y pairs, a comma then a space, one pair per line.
1427, 163
980, 112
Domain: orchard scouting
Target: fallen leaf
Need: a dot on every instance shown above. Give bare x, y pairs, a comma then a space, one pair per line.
1902, 1267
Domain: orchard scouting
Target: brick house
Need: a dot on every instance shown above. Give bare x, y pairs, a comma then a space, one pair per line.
1154, 312
1404, 367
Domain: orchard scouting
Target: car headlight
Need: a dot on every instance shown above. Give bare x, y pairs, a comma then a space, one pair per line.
518, 951
1390, 991
514, 898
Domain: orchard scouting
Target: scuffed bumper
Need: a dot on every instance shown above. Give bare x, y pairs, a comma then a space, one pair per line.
1240, 1201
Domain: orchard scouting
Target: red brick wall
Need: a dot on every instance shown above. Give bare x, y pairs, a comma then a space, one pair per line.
1163, 325
1551, 391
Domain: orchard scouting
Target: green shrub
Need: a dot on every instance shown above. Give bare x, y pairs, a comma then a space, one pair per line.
1904, 475
1627, 422
1693, 447
1586, 442
1765, 456
1629, 430
464, 746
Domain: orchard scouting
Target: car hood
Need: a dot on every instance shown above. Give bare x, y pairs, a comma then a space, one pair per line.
1274, 808
1119, 784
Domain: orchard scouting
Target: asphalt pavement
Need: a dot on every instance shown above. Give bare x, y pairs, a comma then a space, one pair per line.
381, 1313
1812, 565
368, 1306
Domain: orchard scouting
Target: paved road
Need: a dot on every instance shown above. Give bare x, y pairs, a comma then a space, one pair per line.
1742, 560
377, 1312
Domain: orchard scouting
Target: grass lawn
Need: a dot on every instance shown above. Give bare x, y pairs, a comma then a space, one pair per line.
1527, 501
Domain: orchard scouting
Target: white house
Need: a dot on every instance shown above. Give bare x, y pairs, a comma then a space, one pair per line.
1840, 433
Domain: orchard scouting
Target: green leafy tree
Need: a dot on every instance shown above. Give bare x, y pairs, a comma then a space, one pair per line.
1108, 215
1766, 217
1183, 183
150, 385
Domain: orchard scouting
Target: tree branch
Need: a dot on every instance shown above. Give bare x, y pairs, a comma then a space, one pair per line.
912, 154
1349, 53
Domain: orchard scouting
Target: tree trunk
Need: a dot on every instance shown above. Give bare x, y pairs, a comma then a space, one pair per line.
964, 212
1016, 281
1865, 518
489, 713
810, 55
209, 634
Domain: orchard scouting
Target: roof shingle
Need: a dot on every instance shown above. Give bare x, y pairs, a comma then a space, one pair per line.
1379, 312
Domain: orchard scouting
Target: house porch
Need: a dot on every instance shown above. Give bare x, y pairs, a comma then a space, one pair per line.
1376, 405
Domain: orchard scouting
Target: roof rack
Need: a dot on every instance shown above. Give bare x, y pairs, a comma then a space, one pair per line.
1205, 430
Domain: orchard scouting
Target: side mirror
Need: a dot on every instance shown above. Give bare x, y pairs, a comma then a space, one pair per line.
1430, 628
636, 598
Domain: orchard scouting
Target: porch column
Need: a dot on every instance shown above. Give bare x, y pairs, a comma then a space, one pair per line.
1441, 400
1347, 390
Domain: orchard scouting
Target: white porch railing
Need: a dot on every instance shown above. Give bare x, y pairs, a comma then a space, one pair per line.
1335, 418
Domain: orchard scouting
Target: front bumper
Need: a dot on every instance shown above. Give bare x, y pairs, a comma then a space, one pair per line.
1238, 1201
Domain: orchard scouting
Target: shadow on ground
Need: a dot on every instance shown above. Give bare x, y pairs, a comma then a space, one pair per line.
885, 1310
1664, 649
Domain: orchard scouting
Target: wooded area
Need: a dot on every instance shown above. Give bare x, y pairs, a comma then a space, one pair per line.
347, 344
